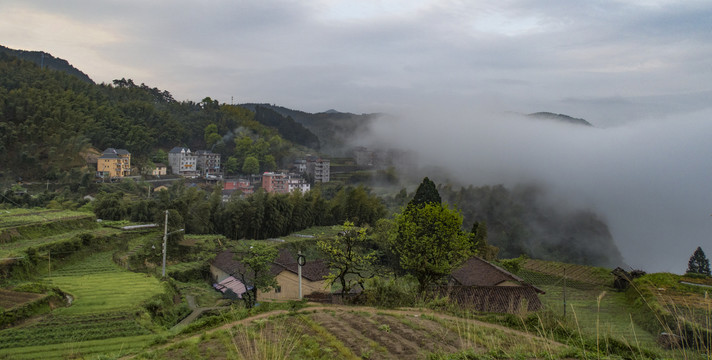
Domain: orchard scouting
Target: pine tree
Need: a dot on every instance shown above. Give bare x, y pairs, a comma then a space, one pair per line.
699, 264
426, 193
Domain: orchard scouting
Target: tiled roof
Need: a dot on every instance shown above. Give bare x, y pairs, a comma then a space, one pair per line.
478, 272
177, 149
112, 151
313, 270
230, 283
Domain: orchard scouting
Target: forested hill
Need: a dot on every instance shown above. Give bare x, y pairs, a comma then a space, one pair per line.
49, 120
334, 129
48, 61
522, 221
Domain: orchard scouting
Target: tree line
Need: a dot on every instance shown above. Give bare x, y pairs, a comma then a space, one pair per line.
260, 216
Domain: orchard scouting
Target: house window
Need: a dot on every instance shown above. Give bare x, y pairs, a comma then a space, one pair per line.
278, 290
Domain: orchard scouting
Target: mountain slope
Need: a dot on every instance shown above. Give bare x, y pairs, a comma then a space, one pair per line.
334, 129
47, 61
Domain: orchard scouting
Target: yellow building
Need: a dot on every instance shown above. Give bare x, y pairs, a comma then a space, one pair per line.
114, 163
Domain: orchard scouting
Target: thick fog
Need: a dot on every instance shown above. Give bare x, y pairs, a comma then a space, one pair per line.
650, 180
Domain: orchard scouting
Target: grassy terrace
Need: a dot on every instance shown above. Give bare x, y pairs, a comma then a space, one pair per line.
18, 217
16, 248
101, 319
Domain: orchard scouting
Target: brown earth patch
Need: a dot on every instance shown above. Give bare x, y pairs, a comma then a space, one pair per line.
11, 299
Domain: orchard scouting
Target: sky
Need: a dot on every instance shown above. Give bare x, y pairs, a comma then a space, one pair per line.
452, 73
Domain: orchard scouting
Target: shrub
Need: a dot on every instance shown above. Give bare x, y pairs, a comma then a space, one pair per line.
390, 293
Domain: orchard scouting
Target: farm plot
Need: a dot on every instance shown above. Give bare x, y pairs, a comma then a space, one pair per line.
577, 273
355, 334
105, 300
97, 285
11, 299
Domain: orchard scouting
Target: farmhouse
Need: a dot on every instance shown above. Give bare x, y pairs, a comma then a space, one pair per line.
225, 270
487, 287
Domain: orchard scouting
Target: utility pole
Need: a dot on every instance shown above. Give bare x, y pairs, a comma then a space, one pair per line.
165, 244
165, 239
300, 262
564, 291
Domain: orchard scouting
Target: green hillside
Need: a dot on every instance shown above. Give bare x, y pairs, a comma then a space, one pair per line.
50, 121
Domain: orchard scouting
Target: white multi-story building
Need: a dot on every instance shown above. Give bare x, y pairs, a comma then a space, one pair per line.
183, 162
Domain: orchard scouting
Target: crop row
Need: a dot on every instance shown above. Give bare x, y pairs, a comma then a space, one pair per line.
582, 273
80, 349
42, 334
104, 317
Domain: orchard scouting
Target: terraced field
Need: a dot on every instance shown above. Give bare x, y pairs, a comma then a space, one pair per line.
101, 318
17, 217
16, 248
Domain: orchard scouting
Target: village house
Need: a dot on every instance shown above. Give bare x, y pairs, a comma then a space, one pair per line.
282, 183
231, 186
487, 287
208, 163
225, 271
114, 163
319, 169
159, 170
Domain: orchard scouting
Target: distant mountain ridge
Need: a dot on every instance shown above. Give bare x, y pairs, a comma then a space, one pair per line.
559, 117
334, 129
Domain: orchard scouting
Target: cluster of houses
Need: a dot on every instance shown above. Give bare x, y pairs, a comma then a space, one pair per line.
116, 163
477, 284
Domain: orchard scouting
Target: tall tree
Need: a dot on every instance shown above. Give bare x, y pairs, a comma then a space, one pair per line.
348, 256
427, 193
478, 238
251, 165
699, 264
429, 242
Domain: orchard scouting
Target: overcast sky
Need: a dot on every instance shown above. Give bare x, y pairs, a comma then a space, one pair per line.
640, 71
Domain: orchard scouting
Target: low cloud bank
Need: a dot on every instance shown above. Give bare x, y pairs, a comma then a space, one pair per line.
650, 180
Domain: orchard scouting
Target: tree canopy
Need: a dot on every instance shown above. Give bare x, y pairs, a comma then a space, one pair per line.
429, 242
348, 256
255, 272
